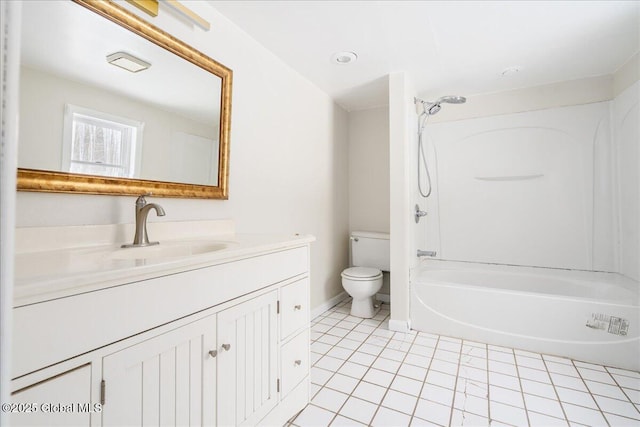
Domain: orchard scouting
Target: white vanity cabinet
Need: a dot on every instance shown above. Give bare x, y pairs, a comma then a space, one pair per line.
222, 344
62, 391
294, 334
247, 361
169, 379
295, 307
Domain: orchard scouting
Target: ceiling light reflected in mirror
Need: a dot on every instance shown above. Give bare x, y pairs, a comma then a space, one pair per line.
127, 62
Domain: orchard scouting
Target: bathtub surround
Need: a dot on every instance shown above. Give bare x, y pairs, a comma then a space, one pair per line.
609, 210
569, 173
626, 75
626, 131
364, 374
531, 188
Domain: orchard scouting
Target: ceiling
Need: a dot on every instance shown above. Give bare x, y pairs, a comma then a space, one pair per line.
445, 47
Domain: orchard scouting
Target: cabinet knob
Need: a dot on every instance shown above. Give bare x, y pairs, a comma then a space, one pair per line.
213, 353
298, 362
226, 347
297, 307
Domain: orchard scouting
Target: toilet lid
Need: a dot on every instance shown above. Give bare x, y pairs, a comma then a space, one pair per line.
362, 272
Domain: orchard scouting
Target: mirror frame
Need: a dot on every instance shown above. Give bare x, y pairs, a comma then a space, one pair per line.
62, 182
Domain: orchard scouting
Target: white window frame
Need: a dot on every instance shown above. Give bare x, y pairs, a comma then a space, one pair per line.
71, 110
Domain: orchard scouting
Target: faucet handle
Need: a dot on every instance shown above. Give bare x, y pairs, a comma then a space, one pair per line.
141, 201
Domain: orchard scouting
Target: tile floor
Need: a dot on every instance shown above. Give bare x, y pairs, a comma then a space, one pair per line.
364, 374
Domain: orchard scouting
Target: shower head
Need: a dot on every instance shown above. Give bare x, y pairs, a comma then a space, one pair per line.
431, 108
452, 100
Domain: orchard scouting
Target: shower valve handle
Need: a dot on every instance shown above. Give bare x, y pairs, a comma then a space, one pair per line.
419, 214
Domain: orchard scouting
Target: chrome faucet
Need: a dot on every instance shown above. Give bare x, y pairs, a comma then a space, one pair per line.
141, 237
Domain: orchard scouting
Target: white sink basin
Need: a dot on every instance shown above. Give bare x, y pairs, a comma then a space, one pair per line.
169, 250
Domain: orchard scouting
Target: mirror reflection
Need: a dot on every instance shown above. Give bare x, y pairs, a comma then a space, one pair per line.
98, 99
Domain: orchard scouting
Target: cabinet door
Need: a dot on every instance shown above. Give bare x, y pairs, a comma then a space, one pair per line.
247, 361
166, 380
64, 400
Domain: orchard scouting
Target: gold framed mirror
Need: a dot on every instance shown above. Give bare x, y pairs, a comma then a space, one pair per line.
87, 128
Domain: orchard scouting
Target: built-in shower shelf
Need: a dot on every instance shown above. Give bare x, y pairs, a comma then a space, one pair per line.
509, 177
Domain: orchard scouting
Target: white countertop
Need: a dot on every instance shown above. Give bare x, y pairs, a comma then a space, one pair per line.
42, 275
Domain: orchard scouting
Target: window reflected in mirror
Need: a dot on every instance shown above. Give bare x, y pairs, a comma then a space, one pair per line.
96, 143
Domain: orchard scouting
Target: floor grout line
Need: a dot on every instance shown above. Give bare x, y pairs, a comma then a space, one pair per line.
413, 415
555, 391
455, 386
591, 394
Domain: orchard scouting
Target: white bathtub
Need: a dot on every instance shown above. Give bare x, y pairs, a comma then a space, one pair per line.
586, 316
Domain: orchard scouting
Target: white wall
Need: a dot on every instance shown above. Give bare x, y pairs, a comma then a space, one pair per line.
288, 161
369, 170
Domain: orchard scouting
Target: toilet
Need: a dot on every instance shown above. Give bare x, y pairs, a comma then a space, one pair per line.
369, 255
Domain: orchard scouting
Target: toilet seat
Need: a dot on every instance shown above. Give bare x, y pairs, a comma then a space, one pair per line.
361, 273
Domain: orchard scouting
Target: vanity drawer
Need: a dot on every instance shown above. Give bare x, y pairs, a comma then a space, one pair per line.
294, 358
294, 306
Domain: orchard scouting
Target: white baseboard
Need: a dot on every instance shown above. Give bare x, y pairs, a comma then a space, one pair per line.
317, 311
383, 298
399, 325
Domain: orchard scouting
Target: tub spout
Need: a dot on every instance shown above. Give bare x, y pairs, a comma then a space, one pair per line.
426, 253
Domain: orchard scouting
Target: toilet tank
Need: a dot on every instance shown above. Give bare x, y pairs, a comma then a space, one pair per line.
370, 249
